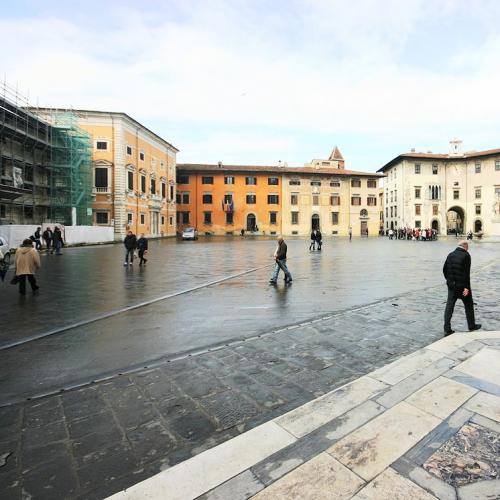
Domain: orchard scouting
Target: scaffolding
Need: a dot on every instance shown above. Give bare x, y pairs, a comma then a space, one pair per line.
70, 171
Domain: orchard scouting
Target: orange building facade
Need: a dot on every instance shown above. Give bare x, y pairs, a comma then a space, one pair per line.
224, 199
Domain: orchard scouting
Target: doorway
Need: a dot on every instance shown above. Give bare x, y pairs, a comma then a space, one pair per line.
435, 225
364, 228
455, 220
154, 224
478, 226
315, 222
251, 223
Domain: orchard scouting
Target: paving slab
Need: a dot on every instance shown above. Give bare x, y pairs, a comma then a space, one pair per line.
312, 415
483, 365
374, 446
485, 404
321, 478
392, 485
204, 472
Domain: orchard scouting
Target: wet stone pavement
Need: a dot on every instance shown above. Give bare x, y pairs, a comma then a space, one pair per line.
94, 441
91, 442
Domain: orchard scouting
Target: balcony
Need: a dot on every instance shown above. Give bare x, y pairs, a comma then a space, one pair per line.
101, 190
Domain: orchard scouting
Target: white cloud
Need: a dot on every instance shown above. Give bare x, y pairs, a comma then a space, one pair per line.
319, 66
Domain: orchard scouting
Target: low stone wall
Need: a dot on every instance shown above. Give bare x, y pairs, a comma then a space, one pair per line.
73, 235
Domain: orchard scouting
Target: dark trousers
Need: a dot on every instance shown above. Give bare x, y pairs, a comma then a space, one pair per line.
38, 244
129, 252
22, 283
453, 295
141, 257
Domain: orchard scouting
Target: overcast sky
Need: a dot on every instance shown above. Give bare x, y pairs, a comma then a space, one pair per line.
260, 81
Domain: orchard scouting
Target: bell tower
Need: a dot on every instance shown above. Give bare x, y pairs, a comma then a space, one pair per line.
455, 147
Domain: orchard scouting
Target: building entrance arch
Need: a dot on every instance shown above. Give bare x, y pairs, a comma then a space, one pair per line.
315, 222
478, 225
435, 225
455, 220
251, 222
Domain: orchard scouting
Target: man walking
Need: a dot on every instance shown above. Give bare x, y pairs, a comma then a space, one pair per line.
280, 258
312, 246
27, 261
350, 233
57, 240
319, 239
456, 270
47, 236
142, 246
38, 243
130, 243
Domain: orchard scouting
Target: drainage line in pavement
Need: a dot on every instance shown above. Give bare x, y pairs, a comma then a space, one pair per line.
115, 312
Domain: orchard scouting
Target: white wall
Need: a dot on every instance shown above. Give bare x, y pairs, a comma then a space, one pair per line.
73, 235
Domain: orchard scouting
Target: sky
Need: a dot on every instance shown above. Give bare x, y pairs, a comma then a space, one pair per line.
258, 82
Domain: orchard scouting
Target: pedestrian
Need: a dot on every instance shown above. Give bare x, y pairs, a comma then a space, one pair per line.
319, 239
391, 234
57, 240
367, 231
350, 233
130, 243
142, 246
312, 246
280, 258
27, 261
456, 270
47, 237
38, 243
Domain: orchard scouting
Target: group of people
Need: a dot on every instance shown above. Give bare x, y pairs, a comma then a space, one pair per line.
53, 239
407, 233
131, 245
316, 239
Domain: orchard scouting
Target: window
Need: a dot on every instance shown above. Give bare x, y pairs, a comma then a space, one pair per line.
207, 199
101, 217
273, 181
182, 179
228, 179
335, 218
129, 150
251, 199
356, 200
228, 198
170, 221
418, 209
162, 165
171, 195
387, 212
435, 209
207, 218
372, 183
185, 198
335, 200
3, 211
477, 167
295, 218
392, 197
363, 212
315, 199
355, 183
250, 181
371, 201
418, 224
130, 180
229, 217
153, 186
101, 179
143, 219
142, 156
28, 173
497, 193
130, 218
143, 183
185, 217
478, 209
273, 218
395, 211
294, 182
315, 183
207, 180
273, 199
417, 168
435, 192
294, 199
456, 195
101, 146
162, 220
435, 169
497, 165
417, 193
178, 198
392, 211
163, 190
335, 184
478, 193
395, 196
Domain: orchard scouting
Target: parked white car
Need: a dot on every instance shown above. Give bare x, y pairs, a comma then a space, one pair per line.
190, 233
4, 248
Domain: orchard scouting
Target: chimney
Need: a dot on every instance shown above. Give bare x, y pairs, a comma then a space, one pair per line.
412, 150
220, 164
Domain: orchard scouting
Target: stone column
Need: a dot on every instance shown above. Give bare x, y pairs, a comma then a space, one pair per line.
119, 178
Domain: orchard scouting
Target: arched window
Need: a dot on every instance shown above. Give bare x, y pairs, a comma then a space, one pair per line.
363, 212
478, 226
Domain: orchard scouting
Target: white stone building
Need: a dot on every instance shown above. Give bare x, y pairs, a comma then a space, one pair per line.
449, 192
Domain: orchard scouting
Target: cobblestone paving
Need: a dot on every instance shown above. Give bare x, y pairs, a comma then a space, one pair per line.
94, 441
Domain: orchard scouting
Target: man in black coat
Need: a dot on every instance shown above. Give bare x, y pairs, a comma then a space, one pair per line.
280, 259
130, 243
456, 270
142, 246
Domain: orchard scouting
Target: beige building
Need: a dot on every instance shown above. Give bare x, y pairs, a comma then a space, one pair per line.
323, 195
448, 192
133, 174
